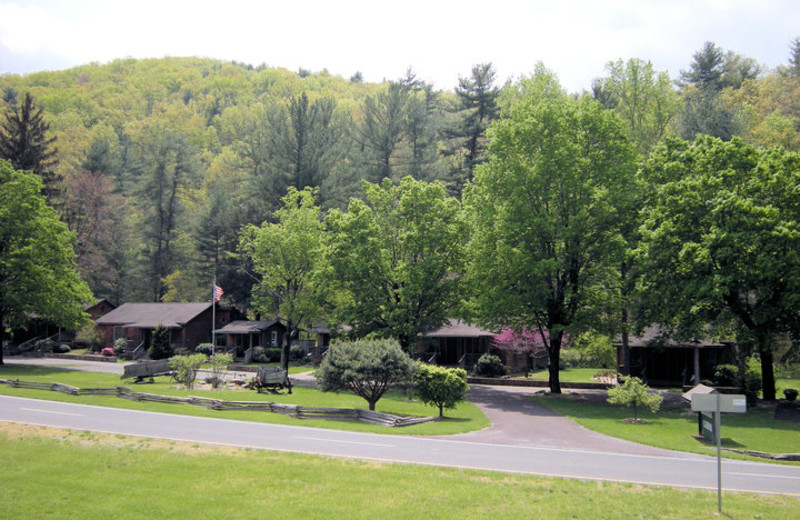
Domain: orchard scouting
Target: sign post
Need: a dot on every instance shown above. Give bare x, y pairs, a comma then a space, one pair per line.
718, 403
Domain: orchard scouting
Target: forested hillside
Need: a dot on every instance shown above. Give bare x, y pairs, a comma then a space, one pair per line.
161, 163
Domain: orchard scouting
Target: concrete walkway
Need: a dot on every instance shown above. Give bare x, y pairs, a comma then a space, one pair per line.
516, 419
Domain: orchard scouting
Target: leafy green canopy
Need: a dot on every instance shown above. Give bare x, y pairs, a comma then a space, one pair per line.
37, 262
288, 256
365, 367
396, 257
721, 241
633, 392
545, 214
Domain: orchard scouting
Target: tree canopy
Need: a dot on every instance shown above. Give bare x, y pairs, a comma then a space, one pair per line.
397, 256
37, 262
544, 214
721, 242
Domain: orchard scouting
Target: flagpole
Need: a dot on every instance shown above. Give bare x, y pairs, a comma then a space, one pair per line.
214, 316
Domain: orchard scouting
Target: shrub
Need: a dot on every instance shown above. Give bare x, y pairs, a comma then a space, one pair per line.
751, 383
297, 353
259, 356
89, 335
790, 394
726, 375
107, 352
120, 344
161, 347
569, 358
185, 368
219, 363
61, 348
489, 365
46, 345
365, 367
440, 386
633, 392
273, 355
205, 348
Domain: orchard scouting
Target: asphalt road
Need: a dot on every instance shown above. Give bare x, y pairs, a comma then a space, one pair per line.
672, 469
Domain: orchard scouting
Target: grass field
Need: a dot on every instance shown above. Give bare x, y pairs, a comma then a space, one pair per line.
568, 375
674, 428
466, 417
60, 474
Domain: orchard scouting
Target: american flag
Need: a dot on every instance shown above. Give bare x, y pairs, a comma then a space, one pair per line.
217, 293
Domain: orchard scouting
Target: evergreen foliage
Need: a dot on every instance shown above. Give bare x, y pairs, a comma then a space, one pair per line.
160, 347
368, 368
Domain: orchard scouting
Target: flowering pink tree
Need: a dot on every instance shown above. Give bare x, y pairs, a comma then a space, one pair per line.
534, 344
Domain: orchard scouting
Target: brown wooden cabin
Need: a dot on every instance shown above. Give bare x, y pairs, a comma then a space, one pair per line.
661, 361
189, 323
241, 336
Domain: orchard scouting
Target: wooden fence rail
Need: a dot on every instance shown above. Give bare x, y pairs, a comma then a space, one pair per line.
291, 410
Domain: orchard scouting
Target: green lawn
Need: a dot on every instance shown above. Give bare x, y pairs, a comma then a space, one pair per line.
568, 375
58, 474
466, 417
675, 428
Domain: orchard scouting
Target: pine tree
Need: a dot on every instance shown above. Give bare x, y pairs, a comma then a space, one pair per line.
24, 142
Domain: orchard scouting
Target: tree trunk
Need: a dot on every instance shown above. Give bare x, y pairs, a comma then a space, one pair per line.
554, 355
767, 373
286, 347
2, 336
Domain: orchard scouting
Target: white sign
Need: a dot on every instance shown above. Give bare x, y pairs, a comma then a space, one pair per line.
729, 403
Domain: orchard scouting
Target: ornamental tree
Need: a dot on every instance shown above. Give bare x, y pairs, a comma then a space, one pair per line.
365, 367
633, 392
440, 386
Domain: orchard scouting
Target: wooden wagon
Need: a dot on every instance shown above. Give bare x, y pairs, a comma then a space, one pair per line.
146, 370
273, 378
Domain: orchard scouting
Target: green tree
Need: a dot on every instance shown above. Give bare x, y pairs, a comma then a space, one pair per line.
381, 130
288, 255
38, 274
366, 367
171, 170
545, 214
440, 386
794, 58
24, 142
633, 392
396, 257
643, 98
720, 242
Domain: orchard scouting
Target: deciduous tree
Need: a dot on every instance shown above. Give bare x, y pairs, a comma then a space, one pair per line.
37, 262
721, 241
397, 257
288, 255
440, 386
545, 214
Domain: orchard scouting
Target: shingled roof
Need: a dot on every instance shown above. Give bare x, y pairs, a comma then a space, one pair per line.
151, 315
245, 327
459, 329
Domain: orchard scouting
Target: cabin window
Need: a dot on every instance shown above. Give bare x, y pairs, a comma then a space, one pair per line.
274, 338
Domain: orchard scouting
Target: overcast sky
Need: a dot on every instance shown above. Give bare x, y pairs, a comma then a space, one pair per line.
440, 40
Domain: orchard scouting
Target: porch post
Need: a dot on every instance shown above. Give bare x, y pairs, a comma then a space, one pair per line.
696, 364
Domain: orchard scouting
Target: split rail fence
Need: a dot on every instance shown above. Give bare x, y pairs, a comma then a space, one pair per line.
291, 410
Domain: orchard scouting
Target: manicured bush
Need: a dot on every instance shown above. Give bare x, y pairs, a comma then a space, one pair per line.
439, 386
790, 394
61, 348
365, 367
273, 355
489, 365
107, 352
